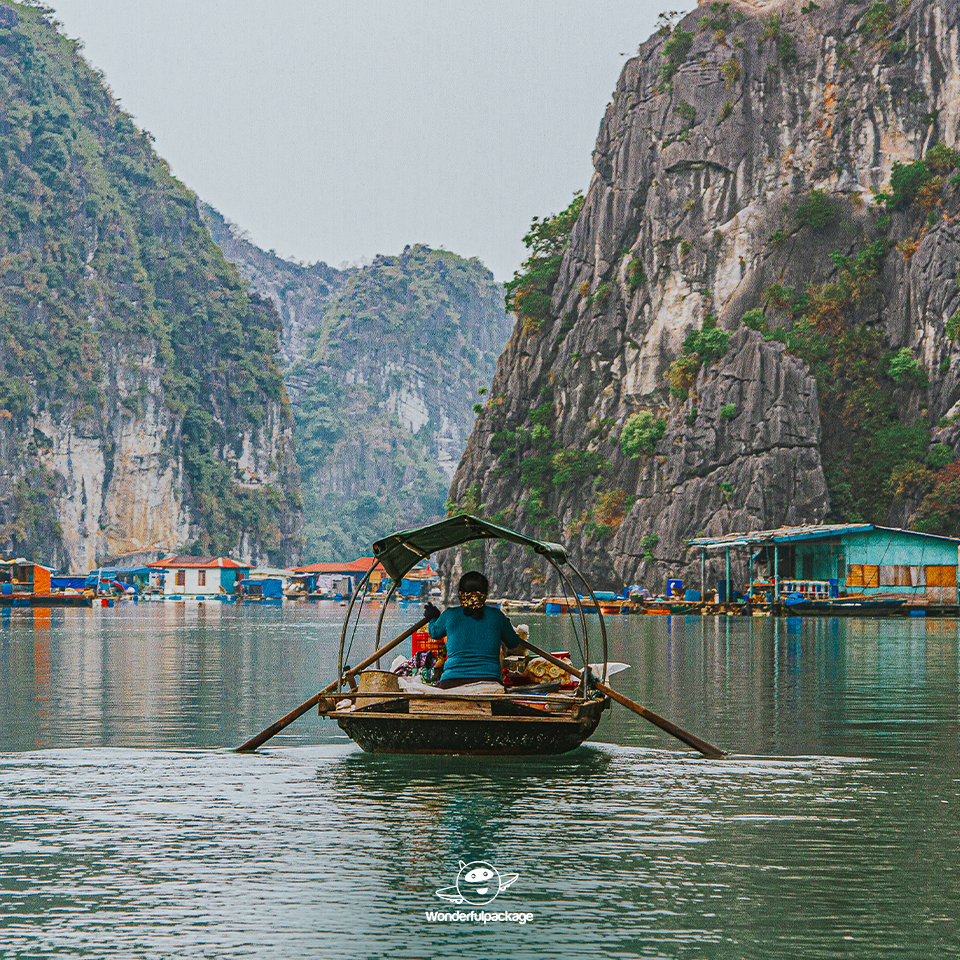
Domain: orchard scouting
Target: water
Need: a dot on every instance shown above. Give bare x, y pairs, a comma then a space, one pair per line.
128, 830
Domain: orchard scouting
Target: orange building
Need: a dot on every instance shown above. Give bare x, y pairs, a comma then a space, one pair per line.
22, 576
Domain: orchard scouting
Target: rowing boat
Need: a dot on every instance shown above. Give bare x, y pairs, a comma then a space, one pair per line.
384, 717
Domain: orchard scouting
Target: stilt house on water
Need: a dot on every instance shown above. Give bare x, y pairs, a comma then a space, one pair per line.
824, 561
187, 576
339, 578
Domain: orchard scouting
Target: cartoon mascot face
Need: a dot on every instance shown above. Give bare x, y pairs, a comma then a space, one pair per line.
478, 882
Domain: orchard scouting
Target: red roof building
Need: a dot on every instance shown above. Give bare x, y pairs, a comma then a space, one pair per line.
188, 576
361, 565
206, 563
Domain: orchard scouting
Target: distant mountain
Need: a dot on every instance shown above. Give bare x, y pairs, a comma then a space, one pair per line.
299, 292
141, 406
384, 364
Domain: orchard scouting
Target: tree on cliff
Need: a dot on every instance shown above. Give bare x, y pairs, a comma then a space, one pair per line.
528, 293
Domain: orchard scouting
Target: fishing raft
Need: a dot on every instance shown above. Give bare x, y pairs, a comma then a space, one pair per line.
372, 708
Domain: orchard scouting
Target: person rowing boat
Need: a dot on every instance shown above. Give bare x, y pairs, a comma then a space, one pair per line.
474, 633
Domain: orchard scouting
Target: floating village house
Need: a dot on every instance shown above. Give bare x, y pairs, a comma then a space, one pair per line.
22, 576
823, 561
138, 577
340, 578
187, 576
266, 583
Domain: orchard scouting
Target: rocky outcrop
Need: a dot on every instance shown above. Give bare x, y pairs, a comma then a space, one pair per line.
141, 407
735, 171
300, 292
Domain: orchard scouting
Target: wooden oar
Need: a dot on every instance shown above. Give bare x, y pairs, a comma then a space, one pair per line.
708, 750
275, 728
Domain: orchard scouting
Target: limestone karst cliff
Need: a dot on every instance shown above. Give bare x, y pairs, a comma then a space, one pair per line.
382, 364
385, 401
755, 318
140, 403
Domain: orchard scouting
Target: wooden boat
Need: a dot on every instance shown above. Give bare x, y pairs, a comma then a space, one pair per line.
613, 608
854, 605
46, 600
610, 608
500, 724
519, 606
384, 719
659, 605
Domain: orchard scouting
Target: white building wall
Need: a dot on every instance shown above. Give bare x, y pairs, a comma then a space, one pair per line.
191, 586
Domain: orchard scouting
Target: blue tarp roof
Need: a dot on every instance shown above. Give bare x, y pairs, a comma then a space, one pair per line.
118, 571
75, 583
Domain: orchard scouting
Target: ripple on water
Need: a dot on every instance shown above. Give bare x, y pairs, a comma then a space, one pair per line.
627, 850
320, 851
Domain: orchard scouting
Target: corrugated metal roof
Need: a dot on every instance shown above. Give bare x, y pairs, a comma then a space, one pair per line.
810, 531
807, 531
262, 572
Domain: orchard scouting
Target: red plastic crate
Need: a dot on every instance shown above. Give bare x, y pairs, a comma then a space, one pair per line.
423, 641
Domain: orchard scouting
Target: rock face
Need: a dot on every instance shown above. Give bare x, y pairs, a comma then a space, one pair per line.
140, 404
384, 402
382, 364
735, 177
300, 292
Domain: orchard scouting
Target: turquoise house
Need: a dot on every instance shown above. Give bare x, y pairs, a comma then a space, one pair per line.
830, 560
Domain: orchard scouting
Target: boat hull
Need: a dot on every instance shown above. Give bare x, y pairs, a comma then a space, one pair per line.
45, 600
844, 607
474, 736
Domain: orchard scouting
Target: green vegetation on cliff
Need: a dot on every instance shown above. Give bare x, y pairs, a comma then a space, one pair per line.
384, 402
528, 293
106, 268
882, 455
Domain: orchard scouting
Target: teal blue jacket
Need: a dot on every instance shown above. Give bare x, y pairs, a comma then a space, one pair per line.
473, 646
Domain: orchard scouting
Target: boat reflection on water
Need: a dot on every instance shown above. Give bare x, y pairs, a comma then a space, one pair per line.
444, 809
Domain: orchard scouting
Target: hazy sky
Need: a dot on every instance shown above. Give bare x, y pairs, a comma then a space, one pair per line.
338, 129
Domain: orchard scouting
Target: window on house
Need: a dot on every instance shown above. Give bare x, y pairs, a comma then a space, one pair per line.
201, 578
181, 578
863, 575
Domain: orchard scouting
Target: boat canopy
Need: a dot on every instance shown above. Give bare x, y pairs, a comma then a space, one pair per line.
400, 552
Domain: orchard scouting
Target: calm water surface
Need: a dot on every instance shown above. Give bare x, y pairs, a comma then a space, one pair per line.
127, 829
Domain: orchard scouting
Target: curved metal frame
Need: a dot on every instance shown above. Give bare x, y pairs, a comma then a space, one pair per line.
564, 579
603, 626
346, 621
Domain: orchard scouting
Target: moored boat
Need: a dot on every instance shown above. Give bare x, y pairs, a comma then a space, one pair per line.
856, 605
